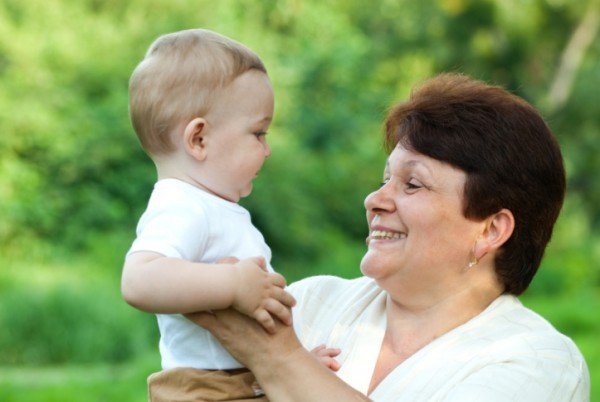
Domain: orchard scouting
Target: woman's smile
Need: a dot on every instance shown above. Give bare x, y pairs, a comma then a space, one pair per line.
380, 234
384, 234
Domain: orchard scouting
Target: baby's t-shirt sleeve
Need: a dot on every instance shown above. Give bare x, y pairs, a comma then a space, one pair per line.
173, 231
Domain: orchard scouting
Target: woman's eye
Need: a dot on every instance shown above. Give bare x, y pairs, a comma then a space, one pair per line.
413, 185
260, 133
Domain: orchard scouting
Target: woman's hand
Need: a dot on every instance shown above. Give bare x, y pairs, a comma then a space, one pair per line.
245, 339
283, 368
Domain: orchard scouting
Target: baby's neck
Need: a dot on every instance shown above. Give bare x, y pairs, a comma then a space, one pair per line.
169, 168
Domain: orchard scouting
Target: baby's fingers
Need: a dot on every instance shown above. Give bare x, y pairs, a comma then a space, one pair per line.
318, 349
264, 318
277, 279
326, 356
276, 309
332, 364
324, 351
330, 352
284, 298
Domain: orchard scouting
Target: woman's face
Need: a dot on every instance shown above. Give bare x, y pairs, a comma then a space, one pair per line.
418, 236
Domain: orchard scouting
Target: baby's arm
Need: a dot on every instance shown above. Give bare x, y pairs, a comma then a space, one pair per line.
154, 283
326, 356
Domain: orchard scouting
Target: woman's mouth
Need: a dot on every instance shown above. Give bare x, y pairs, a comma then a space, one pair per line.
386, 235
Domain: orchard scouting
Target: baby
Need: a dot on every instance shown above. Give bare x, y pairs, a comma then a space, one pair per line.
201, 105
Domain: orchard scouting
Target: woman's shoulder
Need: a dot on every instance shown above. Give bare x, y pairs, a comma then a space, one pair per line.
510, 326
507, 352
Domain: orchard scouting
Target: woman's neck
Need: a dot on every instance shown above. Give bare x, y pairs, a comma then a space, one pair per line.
412, 326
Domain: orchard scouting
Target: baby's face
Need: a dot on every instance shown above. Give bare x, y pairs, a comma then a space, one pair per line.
236, 135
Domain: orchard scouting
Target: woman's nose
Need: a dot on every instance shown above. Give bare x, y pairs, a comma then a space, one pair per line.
379, 200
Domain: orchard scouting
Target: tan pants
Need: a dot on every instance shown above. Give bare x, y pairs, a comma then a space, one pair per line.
188, 384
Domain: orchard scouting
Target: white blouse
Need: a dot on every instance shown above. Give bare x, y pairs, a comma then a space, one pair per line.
506, 353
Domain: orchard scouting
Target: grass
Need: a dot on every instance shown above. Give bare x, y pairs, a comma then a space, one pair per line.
91, 383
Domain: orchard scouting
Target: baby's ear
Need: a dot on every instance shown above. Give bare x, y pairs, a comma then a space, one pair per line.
194, 140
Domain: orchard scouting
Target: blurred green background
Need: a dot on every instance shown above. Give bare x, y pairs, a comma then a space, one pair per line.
73, 179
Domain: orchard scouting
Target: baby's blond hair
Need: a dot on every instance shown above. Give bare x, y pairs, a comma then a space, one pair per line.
178, 79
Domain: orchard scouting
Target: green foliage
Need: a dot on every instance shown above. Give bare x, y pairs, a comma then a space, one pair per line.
63, 308
63, 325
571, 260
71, 166
97, 383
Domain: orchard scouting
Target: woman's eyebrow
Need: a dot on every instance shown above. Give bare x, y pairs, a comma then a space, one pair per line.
413, 163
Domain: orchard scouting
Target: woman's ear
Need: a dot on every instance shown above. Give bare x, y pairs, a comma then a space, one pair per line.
194, 140
498, 229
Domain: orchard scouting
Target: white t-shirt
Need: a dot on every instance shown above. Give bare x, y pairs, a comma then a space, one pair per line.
183, 221
506, 353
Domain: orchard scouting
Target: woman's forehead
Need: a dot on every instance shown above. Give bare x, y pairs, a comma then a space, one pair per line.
404, 158
438, 173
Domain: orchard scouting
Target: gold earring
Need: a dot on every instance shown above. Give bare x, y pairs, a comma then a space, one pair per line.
473, 260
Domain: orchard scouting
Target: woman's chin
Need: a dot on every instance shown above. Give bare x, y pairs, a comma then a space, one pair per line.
368, 267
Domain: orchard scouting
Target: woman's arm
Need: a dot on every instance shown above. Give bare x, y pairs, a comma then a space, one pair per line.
285, 370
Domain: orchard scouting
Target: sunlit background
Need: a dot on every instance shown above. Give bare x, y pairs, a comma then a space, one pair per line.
73, 179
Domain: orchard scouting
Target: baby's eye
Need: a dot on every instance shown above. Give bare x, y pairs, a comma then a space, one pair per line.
260, 133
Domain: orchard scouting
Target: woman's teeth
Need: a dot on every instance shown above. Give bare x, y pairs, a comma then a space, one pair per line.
382, 234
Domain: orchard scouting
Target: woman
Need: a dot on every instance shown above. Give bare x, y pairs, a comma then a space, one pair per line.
471, 191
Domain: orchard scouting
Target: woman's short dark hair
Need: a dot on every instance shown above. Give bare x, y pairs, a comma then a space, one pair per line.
508, 152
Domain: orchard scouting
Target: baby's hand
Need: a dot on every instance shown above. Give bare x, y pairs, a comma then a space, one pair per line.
260, 295
326, 356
